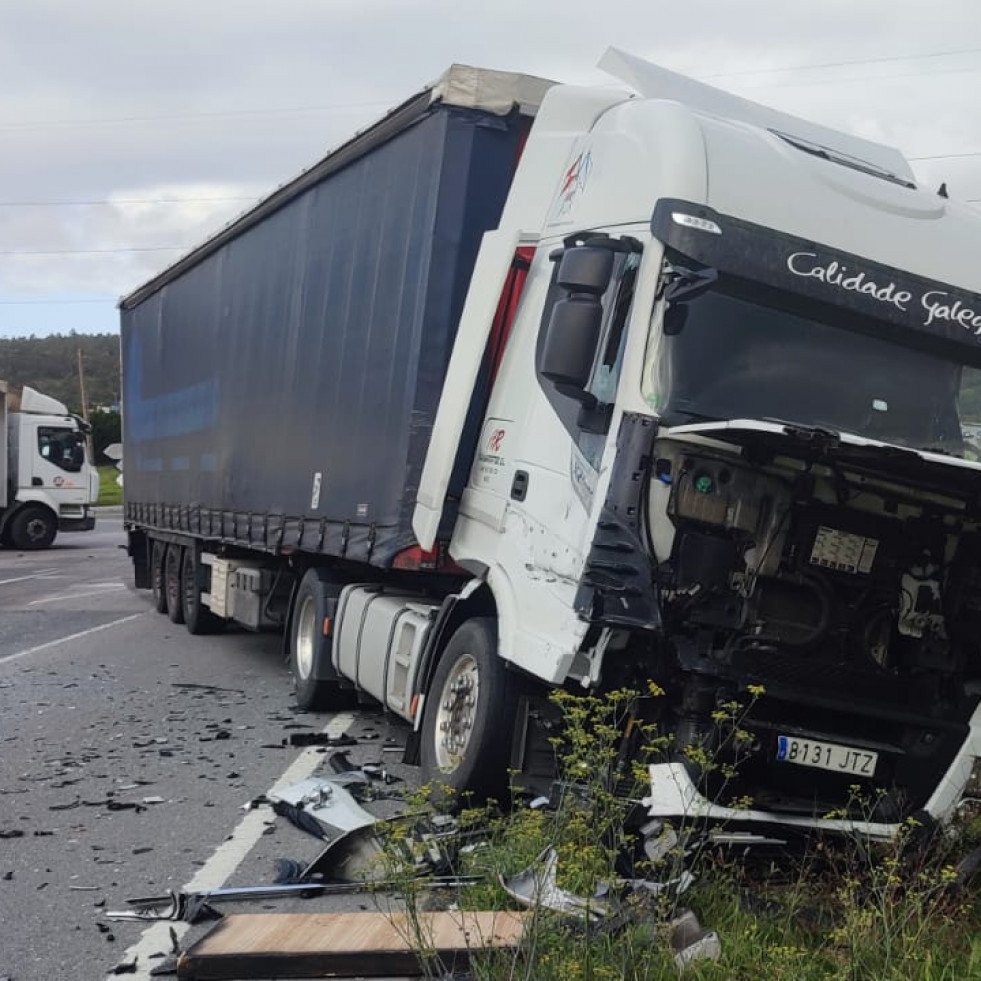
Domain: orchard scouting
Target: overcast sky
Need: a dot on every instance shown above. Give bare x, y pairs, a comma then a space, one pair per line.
128, 127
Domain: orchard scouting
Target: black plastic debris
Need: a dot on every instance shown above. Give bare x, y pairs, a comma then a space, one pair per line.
192, 686
340, 762
126, 967
12, 833
121, 805
299, 817
288, 871
319, 739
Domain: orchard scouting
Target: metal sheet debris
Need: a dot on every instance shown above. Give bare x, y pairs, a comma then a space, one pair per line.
536, 887
327, 801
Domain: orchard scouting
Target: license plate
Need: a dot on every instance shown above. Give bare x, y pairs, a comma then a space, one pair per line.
826, 756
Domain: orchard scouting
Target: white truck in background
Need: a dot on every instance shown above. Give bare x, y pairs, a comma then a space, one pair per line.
533, 386
47, 482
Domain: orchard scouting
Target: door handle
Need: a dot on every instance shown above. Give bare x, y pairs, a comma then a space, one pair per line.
519, 486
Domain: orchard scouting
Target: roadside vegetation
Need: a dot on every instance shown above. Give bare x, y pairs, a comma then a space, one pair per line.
833, 910
110, 492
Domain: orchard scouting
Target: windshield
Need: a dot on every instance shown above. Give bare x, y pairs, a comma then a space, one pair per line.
727, 357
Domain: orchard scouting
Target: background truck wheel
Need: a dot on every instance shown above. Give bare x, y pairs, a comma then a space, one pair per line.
469, 715
158, 558
314, 678
197, 617
33, 527
172, 582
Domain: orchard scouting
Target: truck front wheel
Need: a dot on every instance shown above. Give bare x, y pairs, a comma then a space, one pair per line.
315, 681
172, 582
33, 527
469, 714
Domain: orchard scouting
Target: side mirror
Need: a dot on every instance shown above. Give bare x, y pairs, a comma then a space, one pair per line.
585, 269
571, 340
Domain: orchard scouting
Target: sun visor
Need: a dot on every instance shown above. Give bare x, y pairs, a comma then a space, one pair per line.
936, 314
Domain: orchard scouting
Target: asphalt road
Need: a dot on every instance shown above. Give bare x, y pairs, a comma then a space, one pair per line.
122, 773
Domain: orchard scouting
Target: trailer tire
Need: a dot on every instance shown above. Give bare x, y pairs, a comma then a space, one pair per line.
197, 617
466, 737
310, 649
158, 559
33, 527
173, 564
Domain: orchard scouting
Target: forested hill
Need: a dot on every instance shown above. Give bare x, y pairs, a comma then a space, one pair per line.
50, 364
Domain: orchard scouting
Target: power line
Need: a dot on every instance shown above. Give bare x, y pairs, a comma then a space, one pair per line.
170, 117
791, 83
353, 106
62, 303
159, 248
106, 201
840, 64
948, 156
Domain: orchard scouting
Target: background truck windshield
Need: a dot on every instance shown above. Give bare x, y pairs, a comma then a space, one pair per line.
733, 358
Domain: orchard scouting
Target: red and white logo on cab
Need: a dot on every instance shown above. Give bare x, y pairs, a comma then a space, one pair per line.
496, 440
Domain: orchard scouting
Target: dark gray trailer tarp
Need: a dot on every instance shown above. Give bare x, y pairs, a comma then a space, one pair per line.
280, 391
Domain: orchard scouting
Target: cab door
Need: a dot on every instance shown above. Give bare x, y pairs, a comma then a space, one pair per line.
57, 462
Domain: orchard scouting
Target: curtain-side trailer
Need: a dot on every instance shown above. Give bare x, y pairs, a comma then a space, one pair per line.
660, 386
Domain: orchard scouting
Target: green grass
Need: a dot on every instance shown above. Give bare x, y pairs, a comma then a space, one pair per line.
847, 910
109, 491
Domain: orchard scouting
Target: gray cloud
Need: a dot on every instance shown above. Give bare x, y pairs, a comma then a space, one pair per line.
119, 100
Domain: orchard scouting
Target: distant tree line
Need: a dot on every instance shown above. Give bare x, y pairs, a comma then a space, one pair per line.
50, 365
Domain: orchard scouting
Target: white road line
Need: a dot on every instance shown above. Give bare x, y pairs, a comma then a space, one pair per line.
70, 637
228, 856
79, 593
37, 575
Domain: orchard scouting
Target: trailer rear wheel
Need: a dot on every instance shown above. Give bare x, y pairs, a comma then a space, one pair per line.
158, 558
315, 681
33, 527
197, 617
172, 582
469, 714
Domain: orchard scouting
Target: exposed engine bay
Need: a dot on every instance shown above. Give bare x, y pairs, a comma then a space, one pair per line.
846, 583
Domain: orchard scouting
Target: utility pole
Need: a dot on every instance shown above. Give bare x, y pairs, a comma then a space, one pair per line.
85, 405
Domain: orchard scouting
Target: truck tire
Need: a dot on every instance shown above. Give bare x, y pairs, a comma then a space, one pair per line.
310, 649
158, 559
172, 582
469, 714
197, 617
33, 527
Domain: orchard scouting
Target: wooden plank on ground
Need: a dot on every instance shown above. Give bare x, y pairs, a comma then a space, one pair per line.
319, 945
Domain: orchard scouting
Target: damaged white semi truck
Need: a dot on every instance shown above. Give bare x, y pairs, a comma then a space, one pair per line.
531, 385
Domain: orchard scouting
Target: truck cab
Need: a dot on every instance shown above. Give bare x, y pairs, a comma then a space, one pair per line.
47, 482
729, 449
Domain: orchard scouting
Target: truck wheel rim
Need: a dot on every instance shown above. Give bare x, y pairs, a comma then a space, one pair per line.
305, 627
37, 528
456, 712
